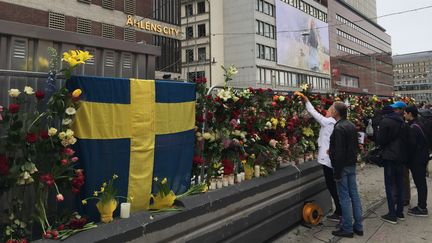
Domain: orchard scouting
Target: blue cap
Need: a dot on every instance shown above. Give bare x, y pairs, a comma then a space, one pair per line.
399, 105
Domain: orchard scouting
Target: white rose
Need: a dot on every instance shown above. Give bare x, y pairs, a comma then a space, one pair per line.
67, 121
52, 131
14, 93
235, 98
70, 111
62, 135
28, 90
72, 140
207, 136
69, 133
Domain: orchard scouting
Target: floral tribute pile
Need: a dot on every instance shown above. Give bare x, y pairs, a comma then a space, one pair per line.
258, 130
36, 157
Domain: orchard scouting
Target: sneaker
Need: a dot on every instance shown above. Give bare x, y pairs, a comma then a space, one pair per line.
418, 212
341, 233
401, 217
334, 218
358, 232
389, 219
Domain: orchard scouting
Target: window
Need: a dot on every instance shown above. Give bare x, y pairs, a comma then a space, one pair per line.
189, 55
108, 4
202, 54
56, 21
201, 30
266, 52
264, 7
198, 74
189, 10
349, 81
129, 6
189, 32
265, 29
201, 7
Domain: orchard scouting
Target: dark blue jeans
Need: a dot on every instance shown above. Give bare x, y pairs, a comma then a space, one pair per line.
350, 200
393, 169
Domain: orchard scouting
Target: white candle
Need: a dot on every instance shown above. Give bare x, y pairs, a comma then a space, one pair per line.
243, 176
125, 210
231, 179
225, 181
199, 179
219, 184
257, 171
239, 178
213, 185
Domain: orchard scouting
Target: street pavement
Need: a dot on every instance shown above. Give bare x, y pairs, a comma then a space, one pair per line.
371, 188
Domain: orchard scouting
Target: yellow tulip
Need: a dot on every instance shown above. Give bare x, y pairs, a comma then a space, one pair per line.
76, 93
164, 181
102, 189
95, 194
84, 202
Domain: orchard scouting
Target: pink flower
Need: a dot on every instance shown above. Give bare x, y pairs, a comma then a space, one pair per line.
69, 151
60, 197
273, 143
64, 162
74, 159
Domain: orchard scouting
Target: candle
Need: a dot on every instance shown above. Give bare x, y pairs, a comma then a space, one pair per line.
257, 171
199, 179
242, 176
213, 185
225, 181
231, 179
125, 210
219, 184
239, 178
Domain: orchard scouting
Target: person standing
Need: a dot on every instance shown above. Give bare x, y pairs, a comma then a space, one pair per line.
327, 123
418, 146
390, 138
343, 155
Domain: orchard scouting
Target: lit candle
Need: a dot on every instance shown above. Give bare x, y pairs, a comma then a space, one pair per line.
225, 181
213, 185
257, 171
231, 179
243, 176
125, 210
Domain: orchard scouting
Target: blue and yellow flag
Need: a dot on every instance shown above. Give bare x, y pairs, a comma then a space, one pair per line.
137, 129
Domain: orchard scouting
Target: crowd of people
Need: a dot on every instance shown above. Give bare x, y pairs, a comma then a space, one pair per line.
403, 144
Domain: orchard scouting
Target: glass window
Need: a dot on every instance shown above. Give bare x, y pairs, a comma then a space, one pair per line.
268, 76
189, 32
189, 10
201, 7
201, 30
189, 55
267, 53
202, 54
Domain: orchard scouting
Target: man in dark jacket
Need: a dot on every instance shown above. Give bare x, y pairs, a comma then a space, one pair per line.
390, 137
343, 155
418, 147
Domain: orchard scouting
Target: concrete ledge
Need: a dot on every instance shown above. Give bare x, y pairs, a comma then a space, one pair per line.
254, 210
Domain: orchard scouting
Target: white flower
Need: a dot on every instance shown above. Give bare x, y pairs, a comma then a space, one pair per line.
14, 93
268, 125
65, 143
281, 98
62, 135
207, 136
52, 131
72, 140
70, 111
273, 143
235, 98
224, 94
232, 70
28, 90
69, 133
66, 121
26, 175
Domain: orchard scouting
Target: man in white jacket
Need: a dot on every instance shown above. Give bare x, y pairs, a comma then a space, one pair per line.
327, 124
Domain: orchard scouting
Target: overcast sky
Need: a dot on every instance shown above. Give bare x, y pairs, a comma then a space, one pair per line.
410, 32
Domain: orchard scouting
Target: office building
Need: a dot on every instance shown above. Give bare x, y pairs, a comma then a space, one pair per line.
412, 75
274, 43
366, 7
360, 51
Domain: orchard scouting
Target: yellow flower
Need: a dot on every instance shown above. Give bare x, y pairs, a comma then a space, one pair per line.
69, 133
115, 176
62, 135
104, 184
131, 198
84, 55
76, 93
14, 93
164, 181
28, 90
52, 131
243, 161
84, 202
102, 189
308, 132
205, 188
95, 193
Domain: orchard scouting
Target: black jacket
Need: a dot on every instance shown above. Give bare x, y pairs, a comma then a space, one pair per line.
343, 146
417, 144
392, 133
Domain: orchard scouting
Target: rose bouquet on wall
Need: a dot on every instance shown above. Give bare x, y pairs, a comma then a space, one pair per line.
35, 146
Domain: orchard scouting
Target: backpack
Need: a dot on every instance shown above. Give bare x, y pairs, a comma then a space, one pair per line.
425, 117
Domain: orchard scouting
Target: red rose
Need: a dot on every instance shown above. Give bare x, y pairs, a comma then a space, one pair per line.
60, 197
40, 94
274, 104
31, 138
44, 134
198, 160
69, 151
61, 227
47, 179
77, 223
228, 167
4, 165
14, 108
64, 162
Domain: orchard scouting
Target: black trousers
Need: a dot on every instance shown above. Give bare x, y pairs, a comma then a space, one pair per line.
418, 171
331, 186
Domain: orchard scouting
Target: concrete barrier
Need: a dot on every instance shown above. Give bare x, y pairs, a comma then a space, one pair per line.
252, 211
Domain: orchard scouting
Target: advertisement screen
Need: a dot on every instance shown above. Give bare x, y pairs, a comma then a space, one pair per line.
302, 40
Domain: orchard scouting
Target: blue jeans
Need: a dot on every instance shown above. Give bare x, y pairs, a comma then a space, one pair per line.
392, 169
350, 200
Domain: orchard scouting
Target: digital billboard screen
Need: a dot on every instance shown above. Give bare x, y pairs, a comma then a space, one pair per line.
302, 40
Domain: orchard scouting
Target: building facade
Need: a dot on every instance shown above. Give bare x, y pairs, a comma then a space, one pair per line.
218, 33
366, 7
413, 75
119, 33
360, 50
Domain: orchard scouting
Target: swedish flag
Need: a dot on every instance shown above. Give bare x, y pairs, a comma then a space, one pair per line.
137, 129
